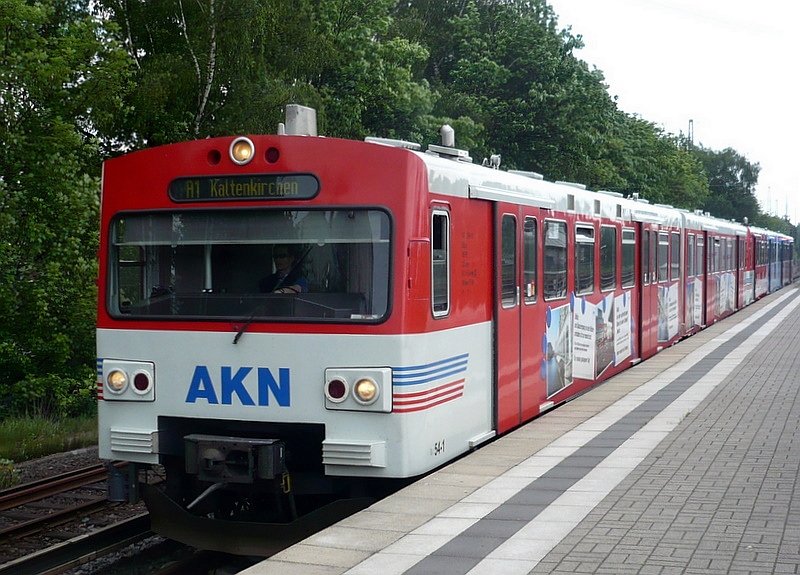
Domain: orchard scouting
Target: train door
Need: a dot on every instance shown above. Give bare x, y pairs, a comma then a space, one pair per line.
520, 389
712, 289
648, 296
700, 270
739, 272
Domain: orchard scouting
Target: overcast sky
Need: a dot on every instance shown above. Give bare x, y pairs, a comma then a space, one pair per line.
731, 66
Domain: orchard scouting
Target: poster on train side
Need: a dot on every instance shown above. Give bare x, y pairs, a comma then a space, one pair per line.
667, 312
557, 349
583, 346
726, 293
604, 334
698, 302
694, 302
622, 327
749, 286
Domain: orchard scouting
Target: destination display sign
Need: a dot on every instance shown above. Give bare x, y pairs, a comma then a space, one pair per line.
244, 187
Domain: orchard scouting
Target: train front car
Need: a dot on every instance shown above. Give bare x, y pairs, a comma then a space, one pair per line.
276, 323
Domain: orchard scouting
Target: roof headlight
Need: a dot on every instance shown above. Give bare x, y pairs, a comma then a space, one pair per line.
242, 151
366, 391
117, 381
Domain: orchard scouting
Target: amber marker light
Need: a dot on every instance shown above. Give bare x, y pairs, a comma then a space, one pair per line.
365, 391
117, 380
242, 151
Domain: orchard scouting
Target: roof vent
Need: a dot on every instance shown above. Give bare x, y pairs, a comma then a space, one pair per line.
300, 120
573, 184
532, 175
448, 135
394, 143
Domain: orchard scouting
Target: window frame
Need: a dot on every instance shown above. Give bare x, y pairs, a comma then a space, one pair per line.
674, 256
548, 296
607, 287
530, 262
662, 253
628, 258
440, 212
581, 241
508, 299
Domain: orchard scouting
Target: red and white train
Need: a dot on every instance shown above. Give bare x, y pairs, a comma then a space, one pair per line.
441, 303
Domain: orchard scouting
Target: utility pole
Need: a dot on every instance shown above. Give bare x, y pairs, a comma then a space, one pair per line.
690, 135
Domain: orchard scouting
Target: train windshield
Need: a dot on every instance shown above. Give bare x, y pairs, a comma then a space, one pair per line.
280, 265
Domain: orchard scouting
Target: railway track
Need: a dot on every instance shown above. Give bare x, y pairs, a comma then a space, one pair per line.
80, 550
31, 508
52, 524
37, 490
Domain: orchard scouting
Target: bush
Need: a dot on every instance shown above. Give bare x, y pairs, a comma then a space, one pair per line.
9, 475
50, 396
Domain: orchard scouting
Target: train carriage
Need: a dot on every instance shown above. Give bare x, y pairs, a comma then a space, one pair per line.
759, 239
786, 249
725, 255
661, 303
427, 304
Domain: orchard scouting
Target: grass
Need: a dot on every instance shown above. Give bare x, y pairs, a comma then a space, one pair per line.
22, 439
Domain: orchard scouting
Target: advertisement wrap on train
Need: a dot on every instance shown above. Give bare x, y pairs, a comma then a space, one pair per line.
288, 325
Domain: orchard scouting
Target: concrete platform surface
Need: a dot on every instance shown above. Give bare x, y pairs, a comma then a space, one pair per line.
686, 463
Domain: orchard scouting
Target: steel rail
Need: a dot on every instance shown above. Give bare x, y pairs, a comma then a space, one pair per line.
35, 524
36, 490
81, 549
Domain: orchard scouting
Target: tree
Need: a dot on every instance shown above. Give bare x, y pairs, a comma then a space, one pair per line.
731, 180
509, 68
214, 67
59, 74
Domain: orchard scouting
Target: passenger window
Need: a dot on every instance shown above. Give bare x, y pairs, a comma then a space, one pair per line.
663, 256
440, 262
584, 260
529, 241
508, 253
675, 256
555, 260
608, 258
629, 257
700, 259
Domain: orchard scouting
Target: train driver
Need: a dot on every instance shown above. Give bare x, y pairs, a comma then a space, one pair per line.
288, 277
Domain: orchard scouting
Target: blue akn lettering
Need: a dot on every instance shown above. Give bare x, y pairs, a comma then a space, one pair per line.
235, 387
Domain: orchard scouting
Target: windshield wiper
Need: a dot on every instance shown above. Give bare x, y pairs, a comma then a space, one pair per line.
248, 322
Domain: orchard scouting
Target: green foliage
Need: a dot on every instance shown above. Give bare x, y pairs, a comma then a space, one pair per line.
9, 475
211, 67
732, 180
50, 395
58, 74
82, 80
28, 438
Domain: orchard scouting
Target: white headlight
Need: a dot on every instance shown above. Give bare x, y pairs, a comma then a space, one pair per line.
117, 381
365, 390
242, 150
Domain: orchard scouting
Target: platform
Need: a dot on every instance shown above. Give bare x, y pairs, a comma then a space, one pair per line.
686, 463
